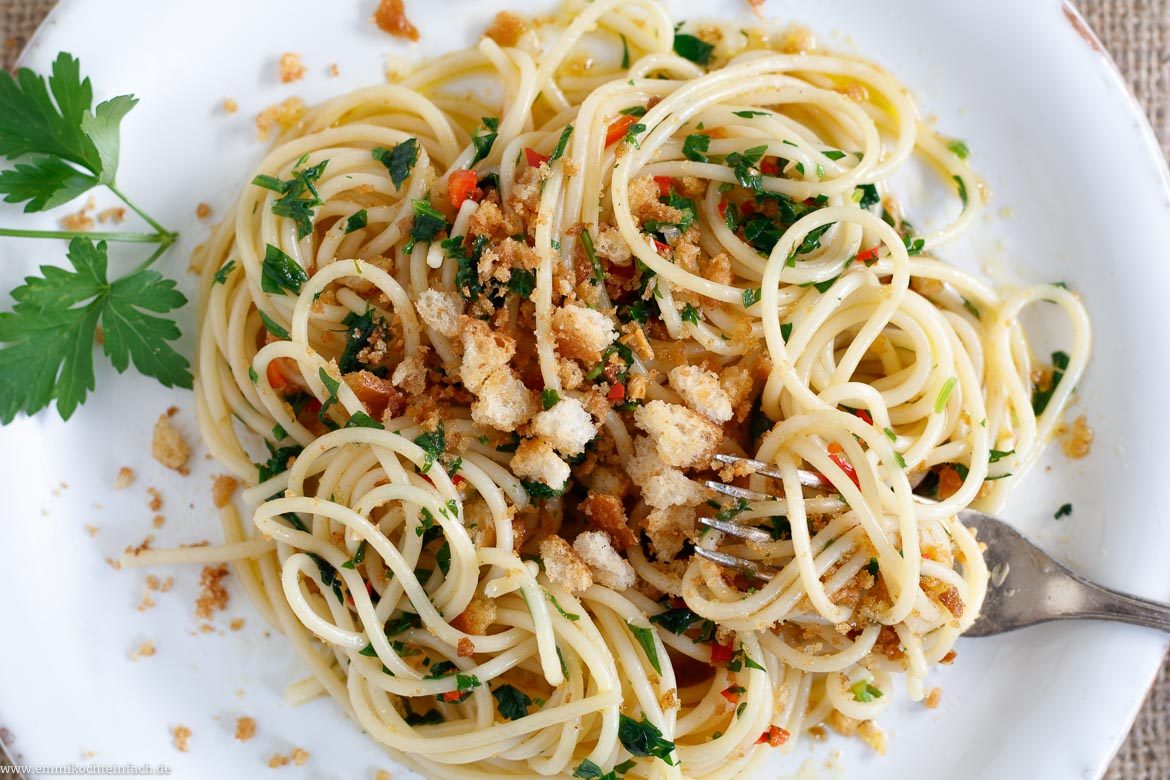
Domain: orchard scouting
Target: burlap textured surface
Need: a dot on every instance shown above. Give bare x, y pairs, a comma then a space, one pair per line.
1137, 34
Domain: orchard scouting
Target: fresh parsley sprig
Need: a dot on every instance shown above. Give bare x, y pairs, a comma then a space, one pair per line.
64, 147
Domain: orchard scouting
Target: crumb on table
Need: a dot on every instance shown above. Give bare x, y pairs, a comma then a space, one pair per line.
291, 68
168, 446
212, 595
230, 106
180, 735
245, 728
222, 490
124, 479
391, 17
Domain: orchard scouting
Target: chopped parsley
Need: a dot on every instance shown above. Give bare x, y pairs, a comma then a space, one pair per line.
356, 221
958, 148
632, 133
751, 296
566, 615
358, 330
549, 398
433, 443
643, 739
691, 48
512, 702
522, 282
944, 395
645, 637
591, 254
1064, 511
744, 165
357, 558
863, 691
279, 273
483, 143
1040, 398
676, 620
962, 189
298, 195
363, 420
998, 455
222, 274
690, 314
428, 223
695, 147
332, 385
399, 161
868, 195
750, 114
540, 491
559, 150
272, 326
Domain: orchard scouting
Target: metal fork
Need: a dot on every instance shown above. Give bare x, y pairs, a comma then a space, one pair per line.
1026, 586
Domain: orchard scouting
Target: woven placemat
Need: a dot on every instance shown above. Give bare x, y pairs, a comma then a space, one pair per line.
1137, 34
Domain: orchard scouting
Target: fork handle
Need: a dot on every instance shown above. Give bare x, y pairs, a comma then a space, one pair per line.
1100, 603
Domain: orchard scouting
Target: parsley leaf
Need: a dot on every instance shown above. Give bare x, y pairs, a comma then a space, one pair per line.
1040, 398
751, 296
522, 282
428, 223
280, 273
559, 150
225, 270
434, 444
50, 332
869, 196
298, 196
358, 329
1064, 511
749, 114
695, 147
53, 117
676, 620
399, 161
645, 637
332, 385
632, 133
591, 254
356, 221
690, 314
694, 49
958, 148
744, 165
863, 691
549, 398
513, 703
363, 420
642, 738
483, 143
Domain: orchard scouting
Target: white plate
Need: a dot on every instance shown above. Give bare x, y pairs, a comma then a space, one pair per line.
1052, 129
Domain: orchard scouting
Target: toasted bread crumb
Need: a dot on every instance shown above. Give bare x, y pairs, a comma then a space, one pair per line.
158, 521
245, 728
1077, 439
277, 761
168, 445
114, 214
280, 116
506, 28
213, 595
180, 735
222, 490
236, 624
91, 530
156, 499
300, 756
564, 566
77, 221
391, 18
124, 479
291, 68
144, 650
230, 106
382, 774
334, 71
933, 698
466, 647
203, 211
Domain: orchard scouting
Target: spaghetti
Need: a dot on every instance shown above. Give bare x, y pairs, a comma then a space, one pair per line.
492, 321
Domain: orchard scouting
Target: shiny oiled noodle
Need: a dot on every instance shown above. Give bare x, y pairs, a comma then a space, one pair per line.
941, 366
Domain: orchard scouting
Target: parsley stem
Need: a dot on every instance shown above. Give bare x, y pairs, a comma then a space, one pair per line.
155, 255
158, 228
164, 238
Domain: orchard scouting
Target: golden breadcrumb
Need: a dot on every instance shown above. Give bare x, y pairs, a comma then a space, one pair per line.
245, 729
222, 490
156, 499
230, 106
168, 445
933, 698
180, 735
114, 214
391, 18
236, 624
144, 650
506, 28
280, 117
1076, 439
212, 595
203, 211
124, 479
291, 68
